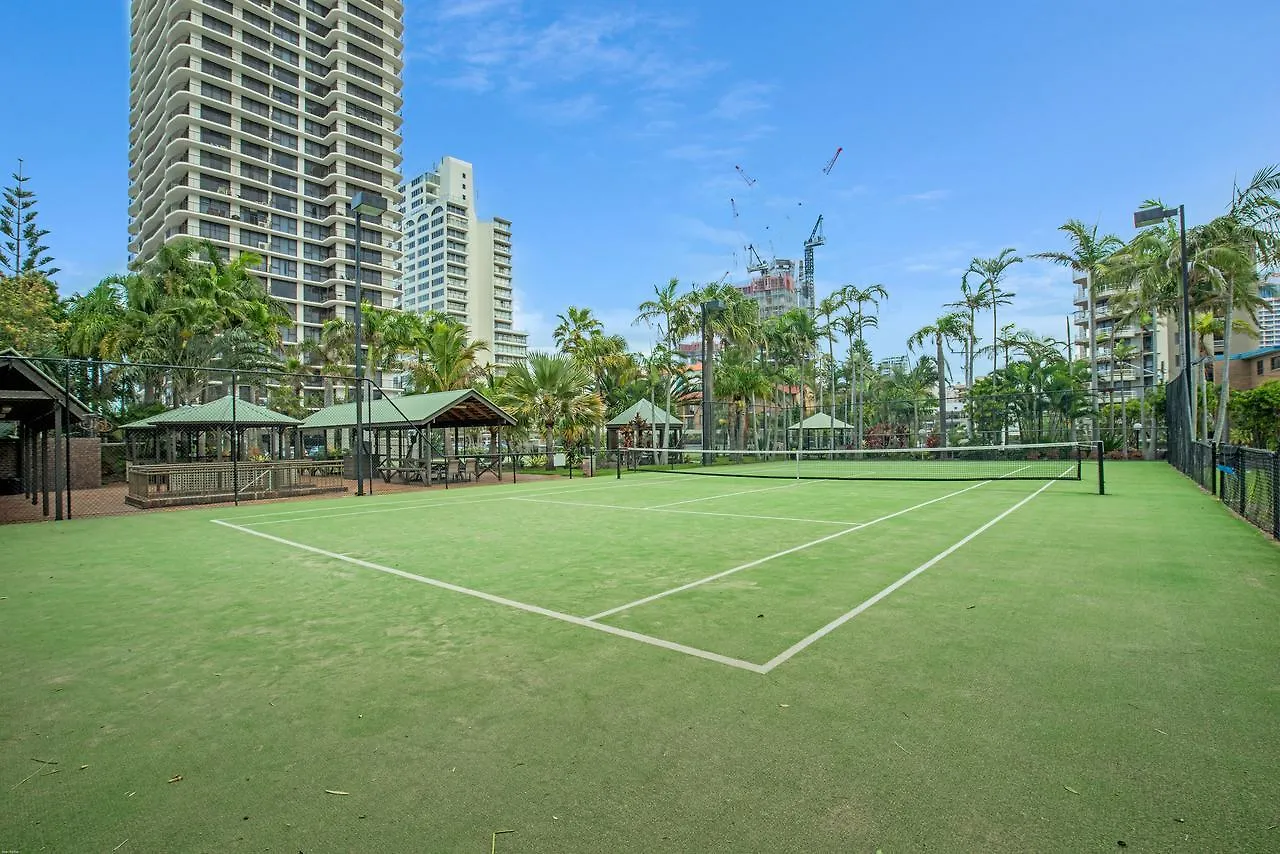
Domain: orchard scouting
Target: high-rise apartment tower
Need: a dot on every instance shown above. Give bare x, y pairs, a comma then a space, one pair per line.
457, 264
252, 123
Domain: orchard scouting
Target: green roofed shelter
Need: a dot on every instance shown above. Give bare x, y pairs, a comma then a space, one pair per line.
401, 430
216, 413
205, 432
634, 427
462, 408
42, 419
822, 421
823, 430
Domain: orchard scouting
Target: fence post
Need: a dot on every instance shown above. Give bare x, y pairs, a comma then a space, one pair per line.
1275, 494
1214, 486
1102, 480
66, 417
235, 444
1240, 469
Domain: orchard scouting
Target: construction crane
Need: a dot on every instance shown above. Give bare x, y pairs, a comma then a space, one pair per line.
831, 164
751, 182
734, 205
755, 264
815, 240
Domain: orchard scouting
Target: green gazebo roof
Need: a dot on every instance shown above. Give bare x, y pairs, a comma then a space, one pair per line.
216, 413
822, 421
462, 408
648, 411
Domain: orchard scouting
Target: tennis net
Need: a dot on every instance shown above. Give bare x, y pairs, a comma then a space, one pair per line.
1057, 461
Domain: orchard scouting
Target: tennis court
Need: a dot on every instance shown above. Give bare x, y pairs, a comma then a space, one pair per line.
653, 662
751, 573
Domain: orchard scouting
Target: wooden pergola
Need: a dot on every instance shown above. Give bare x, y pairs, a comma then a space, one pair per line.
45, 413
398, 432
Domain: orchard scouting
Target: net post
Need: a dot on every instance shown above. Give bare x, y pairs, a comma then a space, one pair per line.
617, 462
235, 444
1102, 480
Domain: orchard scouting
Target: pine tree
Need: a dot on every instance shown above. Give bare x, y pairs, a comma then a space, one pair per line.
21, 250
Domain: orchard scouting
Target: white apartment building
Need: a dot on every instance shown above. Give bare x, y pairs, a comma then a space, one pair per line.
252, 123
1269, 316
1153, 357
454, 263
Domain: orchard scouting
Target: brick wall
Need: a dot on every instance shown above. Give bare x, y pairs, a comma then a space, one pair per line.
86, 463
8, 458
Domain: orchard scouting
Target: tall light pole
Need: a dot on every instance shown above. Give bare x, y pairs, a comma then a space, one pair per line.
1150, 216
710, 308
362, 204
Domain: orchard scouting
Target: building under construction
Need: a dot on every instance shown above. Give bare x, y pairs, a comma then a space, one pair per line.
774, 288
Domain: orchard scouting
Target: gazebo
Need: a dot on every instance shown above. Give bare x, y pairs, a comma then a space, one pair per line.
822, 425
224, 450
207, 431
634, 427
40, 459
399, 435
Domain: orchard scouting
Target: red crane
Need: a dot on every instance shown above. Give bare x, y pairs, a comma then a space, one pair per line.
826, 170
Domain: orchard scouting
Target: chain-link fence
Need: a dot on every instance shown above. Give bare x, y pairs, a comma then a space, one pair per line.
124, 438
1245, 479
1132, 427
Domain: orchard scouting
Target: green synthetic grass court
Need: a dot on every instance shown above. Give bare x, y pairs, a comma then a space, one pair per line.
661, 663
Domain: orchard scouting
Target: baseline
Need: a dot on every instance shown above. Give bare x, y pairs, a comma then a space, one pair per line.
804, 643
510, 603
751, 564
435, 502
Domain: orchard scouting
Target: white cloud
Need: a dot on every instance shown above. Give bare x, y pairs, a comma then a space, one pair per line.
491, 44
536, 324
742, 100
579, 108
926, 196
453, 9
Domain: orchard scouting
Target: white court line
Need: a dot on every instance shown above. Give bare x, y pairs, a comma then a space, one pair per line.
690, 512
510, 603
830, 627
612, 483
792, 550
729, 495
407, 506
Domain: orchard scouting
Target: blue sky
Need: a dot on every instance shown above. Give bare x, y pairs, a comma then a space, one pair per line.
608, 133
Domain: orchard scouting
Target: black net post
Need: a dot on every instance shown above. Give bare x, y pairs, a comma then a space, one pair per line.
1102, 480
235, 444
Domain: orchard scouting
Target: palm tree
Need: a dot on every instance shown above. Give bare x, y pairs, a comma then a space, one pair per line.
332, 353
798, 334
992, 271
857, 323
1093, 256
545, 391
575, 327
827, 309
673, 315
972, 300
740, 378
446, 359
949, 327
1246, 236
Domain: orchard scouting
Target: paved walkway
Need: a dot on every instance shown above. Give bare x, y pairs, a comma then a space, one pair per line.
109, 500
